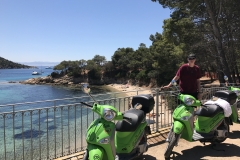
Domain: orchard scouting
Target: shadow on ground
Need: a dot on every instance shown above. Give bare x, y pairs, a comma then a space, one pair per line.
234, 135
218, 150
148, 157
199, 152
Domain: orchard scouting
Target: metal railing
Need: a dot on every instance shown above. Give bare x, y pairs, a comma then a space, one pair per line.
55, 128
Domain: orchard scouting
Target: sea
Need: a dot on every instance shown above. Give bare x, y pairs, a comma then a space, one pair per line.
13, 93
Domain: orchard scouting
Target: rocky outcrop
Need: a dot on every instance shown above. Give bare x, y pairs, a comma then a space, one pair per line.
65, 80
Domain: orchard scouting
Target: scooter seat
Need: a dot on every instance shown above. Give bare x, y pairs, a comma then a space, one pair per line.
136, 115
210, 111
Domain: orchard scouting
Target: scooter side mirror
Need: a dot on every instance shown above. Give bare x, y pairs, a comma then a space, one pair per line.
173, 82
85, 88
225, 78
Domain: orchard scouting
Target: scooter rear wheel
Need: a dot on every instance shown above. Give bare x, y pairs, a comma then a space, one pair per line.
171, 144
220, 140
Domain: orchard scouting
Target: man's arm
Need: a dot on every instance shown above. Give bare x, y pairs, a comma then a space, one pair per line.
170, 84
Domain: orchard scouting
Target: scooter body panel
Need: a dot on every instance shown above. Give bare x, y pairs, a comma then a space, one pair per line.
234, 115
178, 127
183, 121
100, 134
95, 152
207, 124
125, 142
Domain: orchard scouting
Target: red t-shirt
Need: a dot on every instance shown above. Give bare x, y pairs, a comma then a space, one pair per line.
188, 78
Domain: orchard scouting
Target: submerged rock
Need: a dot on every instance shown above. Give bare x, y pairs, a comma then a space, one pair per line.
29, 134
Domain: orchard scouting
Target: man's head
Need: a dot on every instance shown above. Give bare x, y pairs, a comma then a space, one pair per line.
191, 57
191, 60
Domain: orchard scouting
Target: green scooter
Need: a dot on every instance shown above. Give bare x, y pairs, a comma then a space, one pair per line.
125, 140
224, 94
210, 126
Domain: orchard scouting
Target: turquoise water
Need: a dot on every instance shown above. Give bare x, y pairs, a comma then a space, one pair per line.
17, 93
35, 132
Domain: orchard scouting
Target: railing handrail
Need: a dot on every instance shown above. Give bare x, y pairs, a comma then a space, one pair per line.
62, 99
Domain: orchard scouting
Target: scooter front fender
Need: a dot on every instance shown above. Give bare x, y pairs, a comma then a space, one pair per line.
178, 127
95, 152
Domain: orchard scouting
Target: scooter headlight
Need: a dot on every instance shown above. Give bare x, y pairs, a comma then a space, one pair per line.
104, 140
188, 101
186, 118
237, 92
108, 114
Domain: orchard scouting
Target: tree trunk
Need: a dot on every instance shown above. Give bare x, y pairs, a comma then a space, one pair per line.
218, 41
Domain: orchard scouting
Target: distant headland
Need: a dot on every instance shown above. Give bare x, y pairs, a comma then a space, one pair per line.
6, 64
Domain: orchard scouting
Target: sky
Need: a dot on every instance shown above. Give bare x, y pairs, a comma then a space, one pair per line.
58, 30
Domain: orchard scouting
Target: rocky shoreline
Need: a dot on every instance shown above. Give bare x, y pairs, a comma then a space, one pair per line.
66, 80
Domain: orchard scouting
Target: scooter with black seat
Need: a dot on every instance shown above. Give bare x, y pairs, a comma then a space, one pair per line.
231, 95
125, 140
211, 125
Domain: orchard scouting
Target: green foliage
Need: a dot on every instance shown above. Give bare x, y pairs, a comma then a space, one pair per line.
55, 74
209, 29
153, 74
91, 65
133, 74
122, 57
142, 75
95, 74
99, 60
166, 59
108, 67
75, 73
62, 66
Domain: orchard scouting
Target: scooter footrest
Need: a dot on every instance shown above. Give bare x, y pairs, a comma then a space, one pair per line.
199, 136
148, 130
238, 120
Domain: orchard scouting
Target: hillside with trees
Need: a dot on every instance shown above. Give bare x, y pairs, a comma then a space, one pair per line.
6, 64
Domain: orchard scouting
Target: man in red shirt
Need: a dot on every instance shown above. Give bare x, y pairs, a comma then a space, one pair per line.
189, 78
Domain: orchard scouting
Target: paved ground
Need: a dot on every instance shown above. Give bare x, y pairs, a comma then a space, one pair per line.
185, 150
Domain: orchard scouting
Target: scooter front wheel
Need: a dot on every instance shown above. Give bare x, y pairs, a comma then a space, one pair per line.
85, 157
171, 144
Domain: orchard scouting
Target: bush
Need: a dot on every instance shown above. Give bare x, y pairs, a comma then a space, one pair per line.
95, 74
74, 73
55, 74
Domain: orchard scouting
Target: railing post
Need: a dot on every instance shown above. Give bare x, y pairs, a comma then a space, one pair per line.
14, 143
157, 109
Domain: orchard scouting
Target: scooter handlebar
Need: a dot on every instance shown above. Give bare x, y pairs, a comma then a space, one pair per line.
86, 104
175, 94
